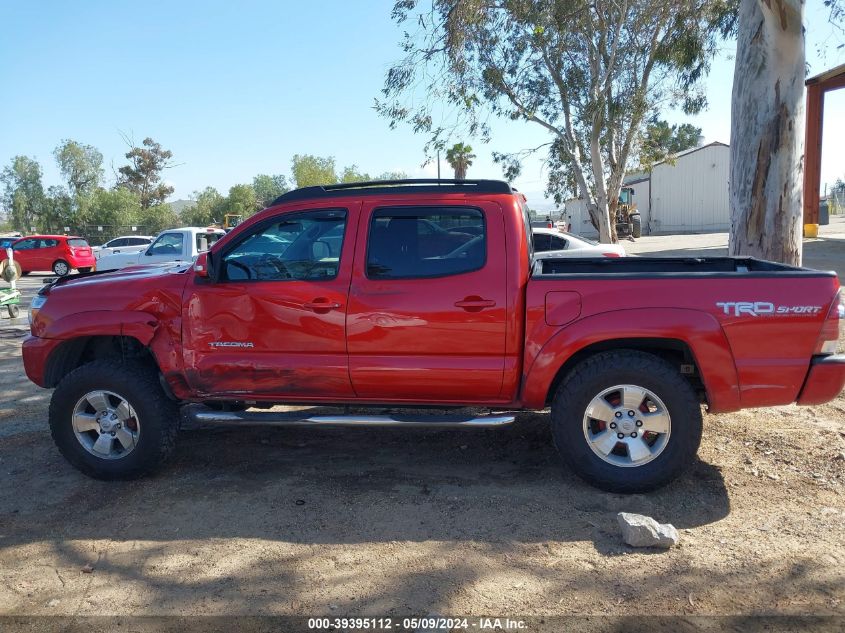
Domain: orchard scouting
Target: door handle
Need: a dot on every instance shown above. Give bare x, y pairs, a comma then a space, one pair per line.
475, 303
323, 304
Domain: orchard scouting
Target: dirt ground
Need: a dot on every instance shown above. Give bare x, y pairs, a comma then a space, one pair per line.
380, 522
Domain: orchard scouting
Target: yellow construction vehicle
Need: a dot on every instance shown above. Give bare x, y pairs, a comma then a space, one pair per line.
628, 220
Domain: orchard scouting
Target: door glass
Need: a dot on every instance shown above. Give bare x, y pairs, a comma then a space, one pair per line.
558, 243
303, 246
425, 242
542, 242
26, 245
167, 244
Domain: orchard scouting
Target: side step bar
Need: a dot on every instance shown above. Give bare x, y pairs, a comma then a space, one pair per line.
204, 415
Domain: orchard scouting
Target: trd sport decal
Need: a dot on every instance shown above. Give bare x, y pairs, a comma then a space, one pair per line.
763, 308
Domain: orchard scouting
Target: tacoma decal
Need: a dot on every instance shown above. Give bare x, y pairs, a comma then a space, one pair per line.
764, 308
231, 344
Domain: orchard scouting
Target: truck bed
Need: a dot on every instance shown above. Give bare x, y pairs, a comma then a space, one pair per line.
639, 267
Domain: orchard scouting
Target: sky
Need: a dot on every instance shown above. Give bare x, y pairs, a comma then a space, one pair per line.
235, 89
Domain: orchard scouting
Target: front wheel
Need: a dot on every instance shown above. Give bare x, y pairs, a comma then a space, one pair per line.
112, 420
61, 268
626, 421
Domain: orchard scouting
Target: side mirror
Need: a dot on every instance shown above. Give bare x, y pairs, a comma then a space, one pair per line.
201, 265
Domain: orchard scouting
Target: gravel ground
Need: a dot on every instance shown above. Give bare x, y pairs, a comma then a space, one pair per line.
378, 522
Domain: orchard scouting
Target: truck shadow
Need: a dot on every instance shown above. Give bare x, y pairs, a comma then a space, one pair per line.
341, 486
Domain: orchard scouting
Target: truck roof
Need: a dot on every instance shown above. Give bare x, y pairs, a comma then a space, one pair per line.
408, 185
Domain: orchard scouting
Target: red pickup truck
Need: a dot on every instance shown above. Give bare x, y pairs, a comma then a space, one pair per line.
425, 294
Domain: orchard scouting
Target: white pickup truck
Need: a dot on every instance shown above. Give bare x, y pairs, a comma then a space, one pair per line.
173, 245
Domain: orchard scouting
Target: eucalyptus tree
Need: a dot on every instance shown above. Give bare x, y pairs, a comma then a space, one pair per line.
588, 73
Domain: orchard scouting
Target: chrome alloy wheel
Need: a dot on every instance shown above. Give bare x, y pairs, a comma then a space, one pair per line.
106, 424
627, 425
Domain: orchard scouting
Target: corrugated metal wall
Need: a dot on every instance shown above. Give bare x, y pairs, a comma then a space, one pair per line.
690, 196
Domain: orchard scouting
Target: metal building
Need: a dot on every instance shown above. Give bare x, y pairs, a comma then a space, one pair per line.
687, 195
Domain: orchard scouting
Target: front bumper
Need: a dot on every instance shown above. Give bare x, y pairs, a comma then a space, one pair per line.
825, 379
35, 353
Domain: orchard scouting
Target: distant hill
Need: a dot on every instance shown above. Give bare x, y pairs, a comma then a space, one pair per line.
179, 205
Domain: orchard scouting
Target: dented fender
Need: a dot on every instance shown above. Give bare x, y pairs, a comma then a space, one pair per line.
139, 325
701, 332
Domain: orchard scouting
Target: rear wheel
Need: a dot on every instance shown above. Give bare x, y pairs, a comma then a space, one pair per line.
14, 311
112, 420
636, 226
61, 267
626, 421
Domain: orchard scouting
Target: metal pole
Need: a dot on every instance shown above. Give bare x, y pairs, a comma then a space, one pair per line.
438, 164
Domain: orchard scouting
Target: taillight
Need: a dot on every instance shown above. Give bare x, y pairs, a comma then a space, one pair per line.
830, 334
611, 254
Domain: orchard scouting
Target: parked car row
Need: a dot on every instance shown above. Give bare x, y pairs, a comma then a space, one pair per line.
63, 253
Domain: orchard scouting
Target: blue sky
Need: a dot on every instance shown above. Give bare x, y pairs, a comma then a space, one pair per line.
236, 88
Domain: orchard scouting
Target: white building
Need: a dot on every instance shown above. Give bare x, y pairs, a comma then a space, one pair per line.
687, 195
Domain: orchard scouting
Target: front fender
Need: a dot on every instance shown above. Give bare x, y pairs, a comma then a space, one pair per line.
139, 325
699, 330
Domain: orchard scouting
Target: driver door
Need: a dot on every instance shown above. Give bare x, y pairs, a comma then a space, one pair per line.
273, 321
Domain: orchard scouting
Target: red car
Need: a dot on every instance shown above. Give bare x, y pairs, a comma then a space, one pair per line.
59, 253
344, 295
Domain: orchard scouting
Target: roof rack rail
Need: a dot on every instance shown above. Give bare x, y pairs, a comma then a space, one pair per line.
408, 185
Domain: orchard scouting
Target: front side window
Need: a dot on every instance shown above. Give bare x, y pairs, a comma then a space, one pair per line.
167, 244
301, 246
116, 243
420, 242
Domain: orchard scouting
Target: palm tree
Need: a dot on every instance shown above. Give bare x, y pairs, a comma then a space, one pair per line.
460, 156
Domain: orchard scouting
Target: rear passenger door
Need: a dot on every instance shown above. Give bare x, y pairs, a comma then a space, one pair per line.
427, 307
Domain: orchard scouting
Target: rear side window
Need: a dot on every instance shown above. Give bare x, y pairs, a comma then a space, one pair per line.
542, 242
49, 243
77, 243
205, 240
137, 241
420, 242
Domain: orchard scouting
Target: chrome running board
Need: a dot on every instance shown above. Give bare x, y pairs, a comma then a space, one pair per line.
205, 415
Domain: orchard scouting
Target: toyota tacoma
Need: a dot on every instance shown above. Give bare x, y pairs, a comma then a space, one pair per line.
408, 296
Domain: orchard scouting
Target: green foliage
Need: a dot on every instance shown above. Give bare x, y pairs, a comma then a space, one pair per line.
81, 166
241, 201
309, 170
23, 193
353, 174
208, 208
460, 156
113, 207
268, 188
144, 171
662, 141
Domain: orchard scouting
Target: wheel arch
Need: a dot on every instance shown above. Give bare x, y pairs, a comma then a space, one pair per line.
78, 351
673, 333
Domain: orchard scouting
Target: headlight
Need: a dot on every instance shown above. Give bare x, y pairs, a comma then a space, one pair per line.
38, 302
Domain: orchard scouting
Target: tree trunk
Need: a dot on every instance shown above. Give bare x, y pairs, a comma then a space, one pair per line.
767, 131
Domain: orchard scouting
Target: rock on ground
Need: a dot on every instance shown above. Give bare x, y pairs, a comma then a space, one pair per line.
643, 531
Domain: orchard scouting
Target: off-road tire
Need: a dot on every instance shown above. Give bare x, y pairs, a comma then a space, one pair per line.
607, 369
138, 383
58, 266
636, 226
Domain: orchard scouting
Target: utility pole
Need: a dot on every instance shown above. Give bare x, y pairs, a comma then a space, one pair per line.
438, 164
